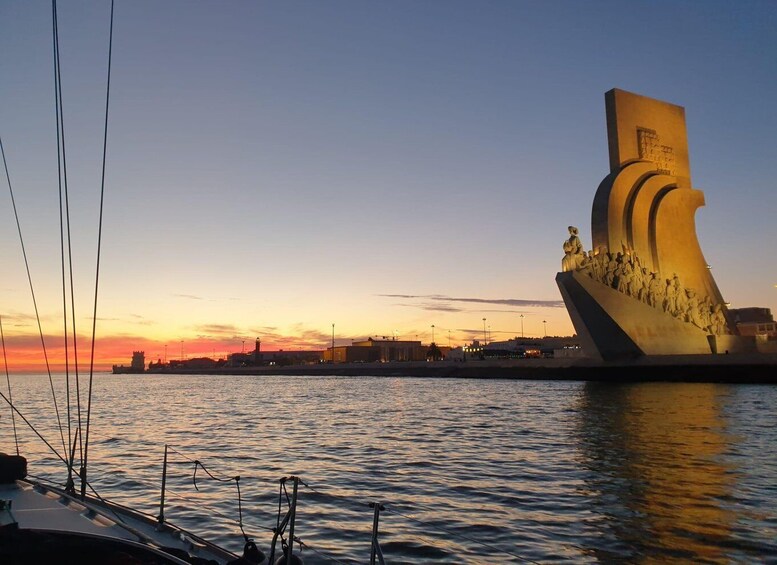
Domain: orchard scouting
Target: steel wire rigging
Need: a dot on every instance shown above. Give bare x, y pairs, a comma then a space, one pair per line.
67, 279
34, 300
8, 380
97, 267
66, 260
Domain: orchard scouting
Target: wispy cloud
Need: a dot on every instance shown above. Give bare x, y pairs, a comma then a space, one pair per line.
264, 329
17, 317
443, 303
309, 335
440, 307
218, 330
208, 298
297, 336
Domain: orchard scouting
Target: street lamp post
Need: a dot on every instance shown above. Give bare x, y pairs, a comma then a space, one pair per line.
333, 344
521, 326
181, 350
545, 327
432, 333
485, 336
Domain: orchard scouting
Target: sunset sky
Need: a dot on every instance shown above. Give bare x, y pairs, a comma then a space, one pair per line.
277, 167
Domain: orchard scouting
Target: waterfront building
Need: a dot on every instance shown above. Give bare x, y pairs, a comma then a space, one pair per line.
395, 349
298, 357
756, 322
518, 347
351, 354
382, 350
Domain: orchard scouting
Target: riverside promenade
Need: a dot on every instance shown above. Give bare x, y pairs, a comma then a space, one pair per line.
734, 368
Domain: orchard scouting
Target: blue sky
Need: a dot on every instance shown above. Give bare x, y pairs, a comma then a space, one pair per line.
277, 167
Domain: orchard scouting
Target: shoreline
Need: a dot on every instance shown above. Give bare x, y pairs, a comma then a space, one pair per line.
734, 368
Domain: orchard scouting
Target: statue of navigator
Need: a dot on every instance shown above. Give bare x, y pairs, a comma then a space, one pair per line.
573, 251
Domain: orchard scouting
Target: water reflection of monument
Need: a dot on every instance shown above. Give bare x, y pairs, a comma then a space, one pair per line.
654, 472
645, 287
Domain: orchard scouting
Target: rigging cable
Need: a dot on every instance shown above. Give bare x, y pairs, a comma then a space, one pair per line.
97, 270
190, 460
236, 478
63, 196
26, 421
34, 301
8, 380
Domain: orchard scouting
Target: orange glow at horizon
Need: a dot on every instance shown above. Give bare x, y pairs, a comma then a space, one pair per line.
25, 353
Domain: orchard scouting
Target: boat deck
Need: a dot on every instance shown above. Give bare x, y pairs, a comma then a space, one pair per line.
33, 507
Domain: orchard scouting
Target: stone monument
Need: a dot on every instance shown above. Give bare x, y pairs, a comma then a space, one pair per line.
644, 288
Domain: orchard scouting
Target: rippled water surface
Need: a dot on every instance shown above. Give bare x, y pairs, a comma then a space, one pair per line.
471, 471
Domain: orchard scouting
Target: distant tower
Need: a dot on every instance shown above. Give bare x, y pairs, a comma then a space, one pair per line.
138, 360
257, 348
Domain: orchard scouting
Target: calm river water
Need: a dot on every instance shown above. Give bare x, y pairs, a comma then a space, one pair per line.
471, 471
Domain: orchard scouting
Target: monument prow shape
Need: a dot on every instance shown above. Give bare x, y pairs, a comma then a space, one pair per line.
645, 287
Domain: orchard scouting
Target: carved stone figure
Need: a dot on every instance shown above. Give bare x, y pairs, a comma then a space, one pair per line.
692, 313
718, 324
618, 282
681, 298
573, 251
670, 297
634, 280
644, 289
705, 313
612, 267
655, 294
602, 257
596, 266
624, 273
584, 263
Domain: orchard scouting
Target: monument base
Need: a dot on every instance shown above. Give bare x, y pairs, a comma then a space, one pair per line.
724, 344
612, 325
